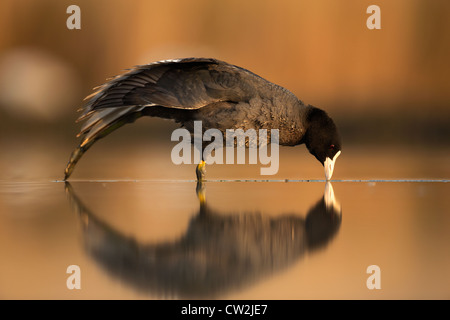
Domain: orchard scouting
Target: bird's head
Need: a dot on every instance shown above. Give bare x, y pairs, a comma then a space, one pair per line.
322, 139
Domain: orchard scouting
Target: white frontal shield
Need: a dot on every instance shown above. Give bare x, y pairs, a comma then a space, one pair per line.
329, 165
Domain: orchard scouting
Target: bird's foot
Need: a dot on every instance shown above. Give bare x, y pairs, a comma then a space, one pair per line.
201, 194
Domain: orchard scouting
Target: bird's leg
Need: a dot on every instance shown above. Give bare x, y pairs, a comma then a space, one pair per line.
201, 194
201, 167
201, 171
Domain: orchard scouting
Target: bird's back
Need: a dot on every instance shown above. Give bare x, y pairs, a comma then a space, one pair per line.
222, 95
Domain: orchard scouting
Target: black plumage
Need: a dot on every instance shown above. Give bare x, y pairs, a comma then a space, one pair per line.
221, 95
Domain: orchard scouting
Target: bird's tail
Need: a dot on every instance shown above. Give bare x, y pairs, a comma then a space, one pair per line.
100, 124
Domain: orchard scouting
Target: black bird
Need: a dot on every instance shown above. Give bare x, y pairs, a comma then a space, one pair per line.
221, 95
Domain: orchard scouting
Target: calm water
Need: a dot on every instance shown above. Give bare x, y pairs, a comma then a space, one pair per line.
225, 240
140, 227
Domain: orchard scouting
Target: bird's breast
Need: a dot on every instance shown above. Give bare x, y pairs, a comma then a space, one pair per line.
257, 114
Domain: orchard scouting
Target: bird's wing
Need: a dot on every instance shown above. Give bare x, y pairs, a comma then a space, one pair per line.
182, 84
190, 83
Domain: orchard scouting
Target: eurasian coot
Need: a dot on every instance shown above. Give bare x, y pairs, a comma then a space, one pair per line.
221, 95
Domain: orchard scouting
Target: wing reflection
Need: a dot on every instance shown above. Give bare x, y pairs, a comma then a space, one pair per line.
217, 253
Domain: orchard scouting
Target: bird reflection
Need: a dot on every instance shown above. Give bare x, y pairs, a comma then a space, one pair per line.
218, 252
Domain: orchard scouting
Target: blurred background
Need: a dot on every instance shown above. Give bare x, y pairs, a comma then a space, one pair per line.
386, 89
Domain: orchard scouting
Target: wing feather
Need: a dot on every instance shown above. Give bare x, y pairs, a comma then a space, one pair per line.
188, 84
181, 84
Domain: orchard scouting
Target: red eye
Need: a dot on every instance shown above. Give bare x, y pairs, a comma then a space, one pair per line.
332, 146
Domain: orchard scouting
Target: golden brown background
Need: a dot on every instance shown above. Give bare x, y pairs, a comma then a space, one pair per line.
377, 84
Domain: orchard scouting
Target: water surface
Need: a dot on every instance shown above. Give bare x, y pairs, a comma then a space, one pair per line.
226, 240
